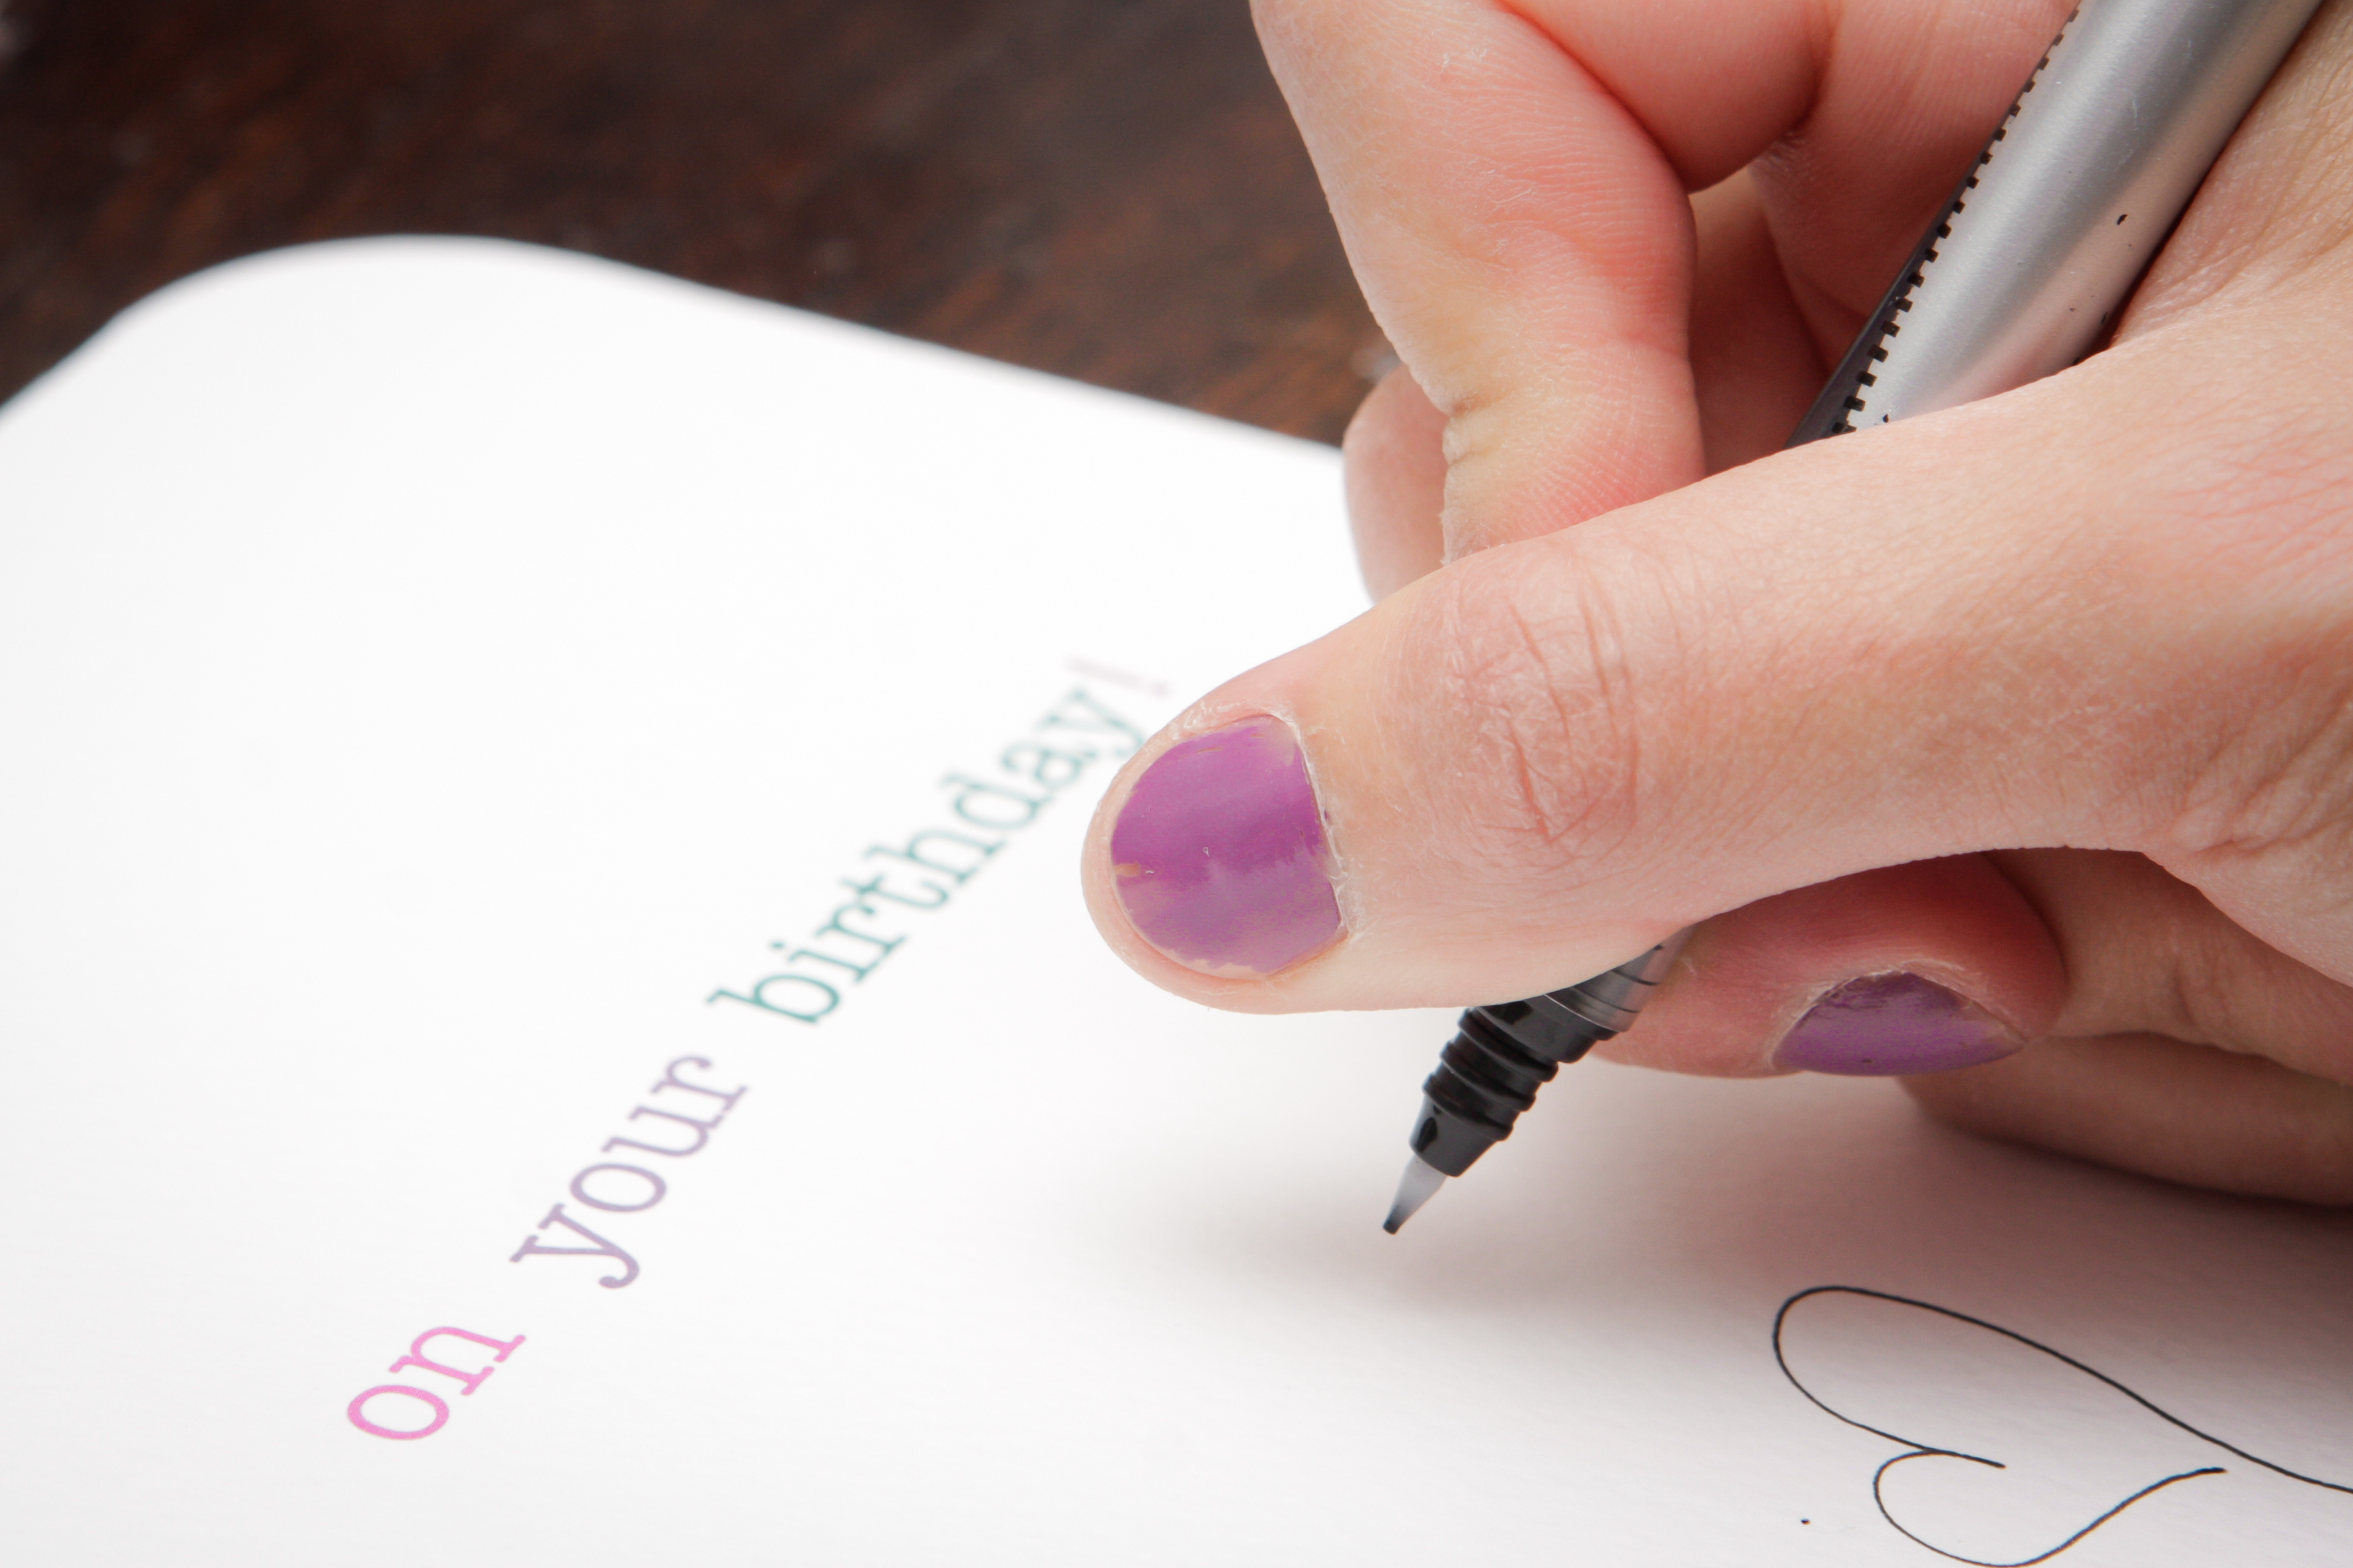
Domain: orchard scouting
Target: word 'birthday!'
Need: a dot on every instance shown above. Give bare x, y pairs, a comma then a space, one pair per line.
930, 868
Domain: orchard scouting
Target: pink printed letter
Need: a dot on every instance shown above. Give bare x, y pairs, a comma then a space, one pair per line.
357, 1411
472, 1379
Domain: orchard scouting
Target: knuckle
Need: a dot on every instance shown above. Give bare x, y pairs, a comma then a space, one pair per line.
1536, 687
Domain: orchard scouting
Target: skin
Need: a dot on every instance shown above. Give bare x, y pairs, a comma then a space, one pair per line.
2048, 698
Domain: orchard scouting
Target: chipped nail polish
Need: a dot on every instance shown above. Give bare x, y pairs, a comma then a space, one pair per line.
1219, 853
1882, 1025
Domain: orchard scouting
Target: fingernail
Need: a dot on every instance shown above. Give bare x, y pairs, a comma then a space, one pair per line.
1219, 853
1888, 1023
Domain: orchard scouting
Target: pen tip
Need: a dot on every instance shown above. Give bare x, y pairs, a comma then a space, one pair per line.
1421, 1181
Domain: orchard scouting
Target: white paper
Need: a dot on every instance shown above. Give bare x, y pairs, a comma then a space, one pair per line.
431, 671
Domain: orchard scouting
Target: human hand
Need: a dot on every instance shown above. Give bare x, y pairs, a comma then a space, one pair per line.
2014, 735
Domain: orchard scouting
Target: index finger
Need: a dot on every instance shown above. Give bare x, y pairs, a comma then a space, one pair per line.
1511, 184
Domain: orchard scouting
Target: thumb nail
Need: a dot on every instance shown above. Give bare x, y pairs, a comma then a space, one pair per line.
1219, 856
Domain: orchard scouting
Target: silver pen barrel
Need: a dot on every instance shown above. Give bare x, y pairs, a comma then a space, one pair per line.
2036, 252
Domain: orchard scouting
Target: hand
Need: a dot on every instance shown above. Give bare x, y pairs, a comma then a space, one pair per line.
2018, 735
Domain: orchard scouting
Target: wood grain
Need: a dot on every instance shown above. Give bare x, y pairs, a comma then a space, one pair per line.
1106, 189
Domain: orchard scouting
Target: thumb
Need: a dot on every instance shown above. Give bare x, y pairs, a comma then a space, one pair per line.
2031, 621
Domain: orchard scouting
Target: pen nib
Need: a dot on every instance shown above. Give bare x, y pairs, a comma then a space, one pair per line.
1421, 1181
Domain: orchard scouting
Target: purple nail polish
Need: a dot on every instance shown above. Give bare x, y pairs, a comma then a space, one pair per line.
1888, 1023
1219, 853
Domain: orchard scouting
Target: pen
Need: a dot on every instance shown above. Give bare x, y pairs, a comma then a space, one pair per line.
2018, 276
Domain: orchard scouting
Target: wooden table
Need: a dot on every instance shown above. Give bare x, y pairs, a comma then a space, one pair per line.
1107, 189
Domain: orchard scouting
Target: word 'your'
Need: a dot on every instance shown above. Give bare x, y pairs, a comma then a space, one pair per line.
620, 1188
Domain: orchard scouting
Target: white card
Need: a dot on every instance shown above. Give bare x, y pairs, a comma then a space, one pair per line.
436, 676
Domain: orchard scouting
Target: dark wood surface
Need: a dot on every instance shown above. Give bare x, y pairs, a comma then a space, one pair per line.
1107, 189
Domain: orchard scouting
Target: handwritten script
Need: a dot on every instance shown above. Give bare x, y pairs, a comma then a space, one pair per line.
2033, 1450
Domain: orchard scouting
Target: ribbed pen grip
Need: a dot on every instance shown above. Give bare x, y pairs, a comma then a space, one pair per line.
1488, 1074
1503, 1052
